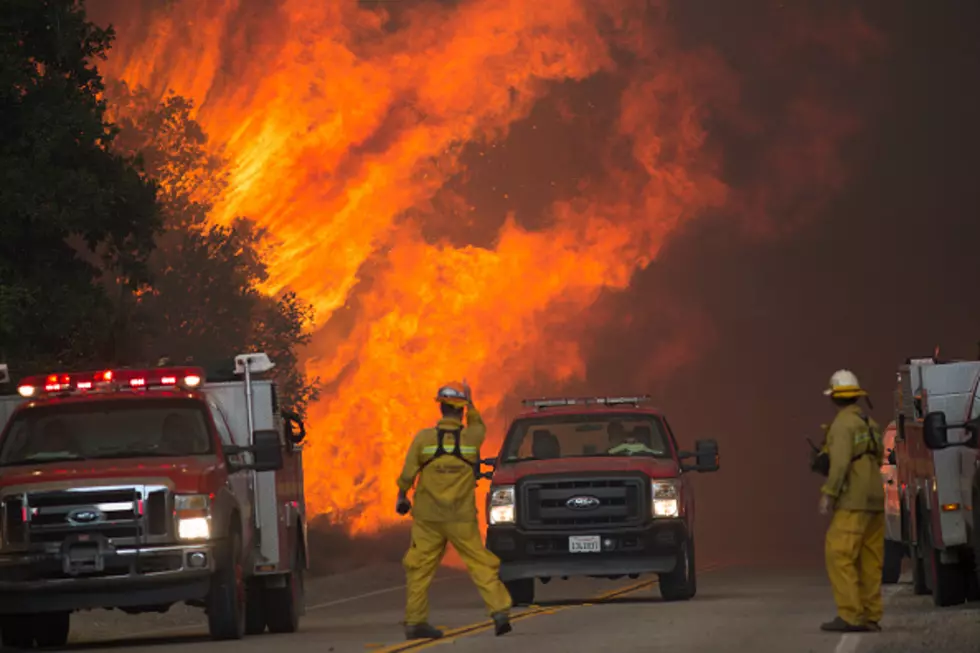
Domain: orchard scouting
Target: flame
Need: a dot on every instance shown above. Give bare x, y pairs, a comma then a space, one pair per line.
339, 119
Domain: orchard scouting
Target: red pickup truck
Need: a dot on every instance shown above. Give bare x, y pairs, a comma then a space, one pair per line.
594, 487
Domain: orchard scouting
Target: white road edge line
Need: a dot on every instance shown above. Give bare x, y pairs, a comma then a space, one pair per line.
309, 608
849, 642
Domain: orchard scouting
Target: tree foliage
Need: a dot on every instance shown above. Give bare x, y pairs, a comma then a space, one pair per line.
74, 213
204, 301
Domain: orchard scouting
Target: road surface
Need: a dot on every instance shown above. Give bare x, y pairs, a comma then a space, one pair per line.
737, 609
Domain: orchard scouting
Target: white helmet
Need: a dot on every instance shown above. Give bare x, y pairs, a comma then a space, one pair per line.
844, 384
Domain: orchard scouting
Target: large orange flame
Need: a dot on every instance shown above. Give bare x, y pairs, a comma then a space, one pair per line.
338, 118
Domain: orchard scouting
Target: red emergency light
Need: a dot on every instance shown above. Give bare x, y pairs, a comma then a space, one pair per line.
111, 380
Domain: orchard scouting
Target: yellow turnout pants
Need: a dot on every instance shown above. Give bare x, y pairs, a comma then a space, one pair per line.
423, 558
855, 551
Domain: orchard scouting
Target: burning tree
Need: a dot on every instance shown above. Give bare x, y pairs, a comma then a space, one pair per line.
204, 300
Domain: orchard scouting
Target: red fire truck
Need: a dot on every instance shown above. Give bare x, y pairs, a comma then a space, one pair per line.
139, 489
598, 487
937, 474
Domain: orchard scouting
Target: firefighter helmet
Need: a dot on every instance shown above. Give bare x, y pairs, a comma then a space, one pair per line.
454, 394
844, 384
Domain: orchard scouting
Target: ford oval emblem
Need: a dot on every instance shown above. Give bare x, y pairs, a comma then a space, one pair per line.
583, 503
84, 516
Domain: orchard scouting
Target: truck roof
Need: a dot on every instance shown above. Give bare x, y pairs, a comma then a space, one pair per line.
122, 395
587, 409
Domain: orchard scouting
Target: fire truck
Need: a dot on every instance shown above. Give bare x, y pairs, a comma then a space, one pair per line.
137, 489
937, 412
596, 487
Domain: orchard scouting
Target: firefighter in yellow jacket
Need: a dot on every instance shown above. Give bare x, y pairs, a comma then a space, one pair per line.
445, 459
855, 545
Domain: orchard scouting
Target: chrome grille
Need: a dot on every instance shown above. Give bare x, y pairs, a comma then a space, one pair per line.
125, 516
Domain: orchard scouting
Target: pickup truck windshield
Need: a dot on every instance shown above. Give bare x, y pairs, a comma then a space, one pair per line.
568, 436
104, 429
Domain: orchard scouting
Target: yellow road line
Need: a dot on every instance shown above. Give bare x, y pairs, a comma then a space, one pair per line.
533, 611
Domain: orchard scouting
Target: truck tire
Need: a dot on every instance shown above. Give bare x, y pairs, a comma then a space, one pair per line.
226, 600
17, 631
284, 605
682, 583
51, 629
891, 570
948, 579
521, 591
254, 608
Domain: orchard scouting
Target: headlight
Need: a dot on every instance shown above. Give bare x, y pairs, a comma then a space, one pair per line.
195, 528
193, 516
666, 498
502, 509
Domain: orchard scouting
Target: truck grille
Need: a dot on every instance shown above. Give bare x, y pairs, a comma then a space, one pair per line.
123, 515
616, 501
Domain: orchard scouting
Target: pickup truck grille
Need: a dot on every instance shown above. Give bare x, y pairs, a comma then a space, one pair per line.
615, 501
123, 515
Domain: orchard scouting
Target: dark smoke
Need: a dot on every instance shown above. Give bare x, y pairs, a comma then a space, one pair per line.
884, 270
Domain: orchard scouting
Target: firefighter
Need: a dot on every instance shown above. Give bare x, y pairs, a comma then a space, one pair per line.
855, 544
445, 460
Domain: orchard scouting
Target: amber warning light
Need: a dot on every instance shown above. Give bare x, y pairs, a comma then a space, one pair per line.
111, 380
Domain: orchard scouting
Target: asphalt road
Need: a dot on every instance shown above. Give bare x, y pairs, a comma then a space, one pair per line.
737, 609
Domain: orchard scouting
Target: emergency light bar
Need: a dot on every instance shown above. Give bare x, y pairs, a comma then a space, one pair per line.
546, 402
111, 380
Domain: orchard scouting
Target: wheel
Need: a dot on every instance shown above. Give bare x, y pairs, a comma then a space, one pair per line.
521, 591
226, 600
284, 605
947, 579
254, 608
17, 631
891, 570
682, 583
51, 629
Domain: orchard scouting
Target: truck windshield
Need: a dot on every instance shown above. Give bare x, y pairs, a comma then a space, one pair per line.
569, 436
106, 429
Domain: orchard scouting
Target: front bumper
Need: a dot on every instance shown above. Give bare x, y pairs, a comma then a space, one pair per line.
47, 581
652, 548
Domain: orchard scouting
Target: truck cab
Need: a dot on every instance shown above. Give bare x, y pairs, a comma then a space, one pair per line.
937, 483
139, 489
594, 487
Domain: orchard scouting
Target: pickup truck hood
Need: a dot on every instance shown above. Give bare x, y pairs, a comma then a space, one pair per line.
509, 473
191, 474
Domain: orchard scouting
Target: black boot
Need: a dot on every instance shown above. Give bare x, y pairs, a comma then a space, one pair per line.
838, 625
501, 623
422, 631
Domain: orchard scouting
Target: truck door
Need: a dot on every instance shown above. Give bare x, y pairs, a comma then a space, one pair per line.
239, 481
289, 483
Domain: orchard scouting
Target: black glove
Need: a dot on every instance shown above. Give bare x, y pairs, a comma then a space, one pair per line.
403, 505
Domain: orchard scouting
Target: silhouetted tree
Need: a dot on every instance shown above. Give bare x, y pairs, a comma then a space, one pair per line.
74, 213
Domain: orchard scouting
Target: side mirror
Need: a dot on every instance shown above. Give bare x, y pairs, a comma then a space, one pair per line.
706, 454
935, 432
267, 451
891, 458
296, 427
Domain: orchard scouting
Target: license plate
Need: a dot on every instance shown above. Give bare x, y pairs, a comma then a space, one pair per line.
584, 544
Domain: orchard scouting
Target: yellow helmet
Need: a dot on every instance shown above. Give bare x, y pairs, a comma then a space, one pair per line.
454, 394
844, 384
